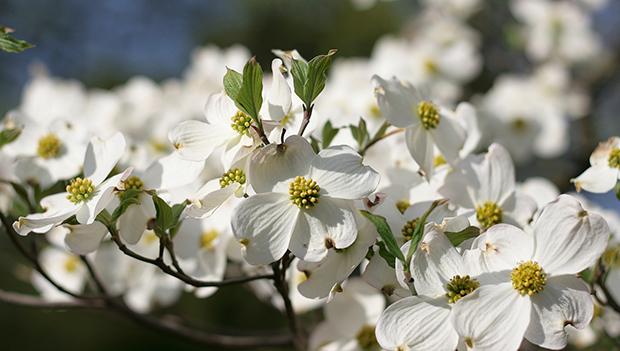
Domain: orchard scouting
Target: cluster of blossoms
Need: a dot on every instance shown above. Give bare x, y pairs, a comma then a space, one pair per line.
155, 191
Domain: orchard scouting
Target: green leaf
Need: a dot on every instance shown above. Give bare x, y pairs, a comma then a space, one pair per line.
299, 70
10, 44
232, 83
385, 232
128, 197
328, 134
360, 133
617, 190
315, 144
250, 96
317, 75
167, 218
309, 78
456, 238
386, 255
9, 135
419, 231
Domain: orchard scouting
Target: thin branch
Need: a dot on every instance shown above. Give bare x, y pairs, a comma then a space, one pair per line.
376, 140
306, 120
30, 256
279, 271
33, 301
184, 278
600, 280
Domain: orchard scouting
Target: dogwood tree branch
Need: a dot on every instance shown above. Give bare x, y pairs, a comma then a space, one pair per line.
159, 262
279, 272
305, 120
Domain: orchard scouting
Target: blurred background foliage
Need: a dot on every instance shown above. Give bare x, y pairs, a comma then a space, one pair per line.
104, 43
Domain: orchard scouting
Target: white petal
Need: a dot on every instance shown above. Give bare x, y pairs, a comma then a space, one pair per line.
333, 219
496, 175
566, 300
279, 100
265, 222
434, 263
417, 323
206, 206
104, 193
171, 172
195, 140
275, 163
133, 222
420, 146
339, 172
567, 238
102, 156
58, 208
336, 267
467, 114
306, 245
493, 317
85, 238
219, 109
597, 179
449, 137
502, 247
518, 209
397, 101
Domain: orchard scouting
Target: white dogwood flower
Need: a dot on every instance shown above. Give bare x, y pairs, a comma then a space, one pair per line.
350, 319
427, 124
441, 278
604, 170
535, 293
85, 197
484, 186
304, 201
225, 127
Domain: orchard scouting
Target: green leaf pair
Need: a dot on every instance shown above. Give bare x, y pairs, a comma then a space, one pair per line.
309, 78
167, 218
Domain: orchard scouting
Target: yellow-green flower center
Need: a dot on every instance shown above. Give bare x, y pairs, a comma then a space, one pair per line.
366, 338
614, 158
241, 123
374, 111
518, 124
133, 182
459, 287
439, 160
71, 264
234, 175
528, 278
49, 146
80, 190
403, 205
429, 114
489, 214
431, 66
207, 239
409, 228
304, 192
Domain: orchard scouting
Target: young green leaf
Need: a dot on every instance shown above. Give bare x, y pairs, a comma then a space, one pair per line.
456, 238
127, 198
317, 75
299, 71
7, 136
250, 96
328, 134
386, 255
232, 83
11, 44
385, 232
